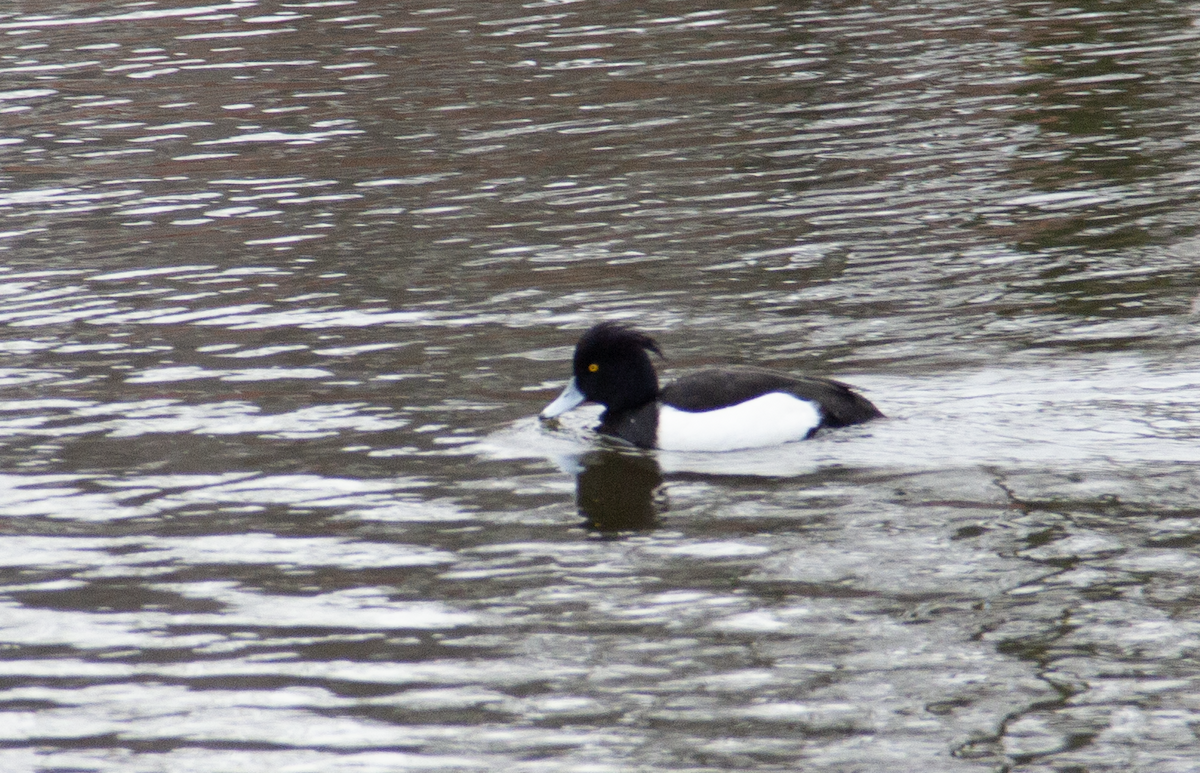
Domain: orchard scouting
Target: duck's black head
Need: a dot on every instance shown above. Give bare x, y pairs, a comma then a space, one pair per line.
611, 367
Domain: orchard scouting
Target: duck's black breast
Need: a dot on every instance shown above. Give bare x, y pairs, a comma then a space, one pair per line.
708, 390
637, 425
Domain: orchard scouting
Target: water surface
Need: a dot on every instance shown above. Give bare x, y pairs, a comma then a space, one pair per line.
284, 285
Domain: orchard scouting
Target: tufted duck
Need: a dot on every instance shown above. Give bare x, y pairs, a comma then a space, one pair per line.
712, 410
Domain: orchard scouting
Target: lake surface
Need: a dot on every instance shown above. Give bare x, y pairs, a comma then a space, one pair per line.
285, 284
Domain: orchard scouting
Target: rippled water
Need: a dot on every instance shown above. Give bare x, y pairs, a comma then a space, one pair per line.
283, 285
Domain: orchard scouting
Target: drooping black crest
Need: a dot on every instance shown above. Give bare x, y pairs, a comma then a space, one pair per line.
614, 337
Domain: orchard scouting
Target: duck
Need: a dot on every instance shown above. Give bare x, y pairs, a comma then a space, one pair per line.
718, 409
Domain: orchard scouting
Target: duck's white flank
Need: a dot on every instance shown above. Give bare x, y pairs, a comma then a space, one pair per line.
769, 420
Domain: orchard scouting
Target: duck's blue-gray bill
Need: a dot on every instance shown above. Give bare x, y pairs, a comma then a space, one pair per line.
570, 397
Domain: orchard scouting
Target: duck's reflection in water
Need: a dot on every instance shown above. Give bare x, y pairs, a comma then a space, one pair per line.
619, 491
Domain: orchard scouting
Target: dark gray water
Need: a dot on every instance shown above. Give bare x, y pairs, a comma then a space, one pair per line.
284, 285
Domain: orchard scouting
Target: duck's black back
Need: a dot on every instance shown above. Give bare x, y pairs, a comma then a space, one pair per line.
708, 390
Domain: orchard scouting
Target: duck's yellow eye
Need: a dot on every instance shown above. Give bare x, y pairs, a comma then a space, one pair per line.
593, 368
